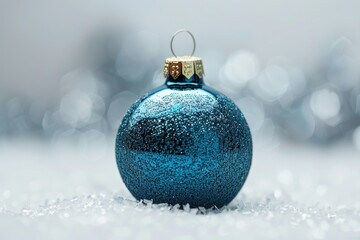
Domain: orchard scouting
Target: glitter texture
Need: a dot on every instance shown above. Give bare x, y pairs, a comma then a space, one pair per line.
184, 144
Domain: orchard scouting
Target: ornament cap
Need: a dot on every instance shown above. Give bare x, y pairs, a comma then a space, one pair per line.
182, 70
185, 66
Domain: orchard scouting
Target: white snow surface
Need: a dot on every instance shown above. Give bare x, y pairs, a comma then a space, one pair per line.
61, 191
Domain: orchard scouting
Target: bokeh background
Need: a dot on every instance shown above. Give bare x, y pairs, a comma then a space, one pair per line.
74, 67
69, 70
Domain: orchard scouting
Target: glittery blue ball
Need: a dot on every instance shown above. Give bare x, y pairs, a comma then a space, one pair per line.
182, 145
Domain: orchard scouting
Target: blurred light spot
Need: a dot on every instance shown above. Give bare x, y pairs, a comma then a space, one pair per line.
267, 136
342, 69
285, 177
240, 67
76, 108
340, 45
274, 82
298, 120
81, 79
98, 109
307, 127
356, 137
297, 86
253, 111
277, 193
325, 104
49, 122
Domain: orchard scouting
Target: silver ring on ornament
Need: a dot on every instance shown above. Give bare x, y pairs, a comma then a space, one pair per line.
180, 31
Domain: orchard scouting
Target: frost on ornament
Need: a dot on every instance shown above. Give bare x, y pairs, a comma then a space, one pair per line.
184, 145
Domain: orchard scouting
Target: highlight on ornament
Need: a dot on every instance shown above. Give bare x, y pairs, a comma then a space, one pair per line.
184, 142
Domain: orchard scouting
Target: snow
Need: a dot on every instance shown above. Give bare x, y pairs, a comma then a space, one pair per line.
61, 191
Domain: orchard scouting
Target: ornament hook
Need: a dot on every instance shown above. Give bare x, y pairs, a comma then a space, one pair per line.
180, 31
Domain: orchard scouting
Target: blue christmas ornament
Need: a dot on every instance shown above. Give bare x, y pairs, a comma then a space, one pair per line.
184, 142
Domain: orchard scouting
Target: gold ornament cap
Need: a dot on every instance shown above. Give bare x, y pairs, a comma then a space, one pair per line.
186, 66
